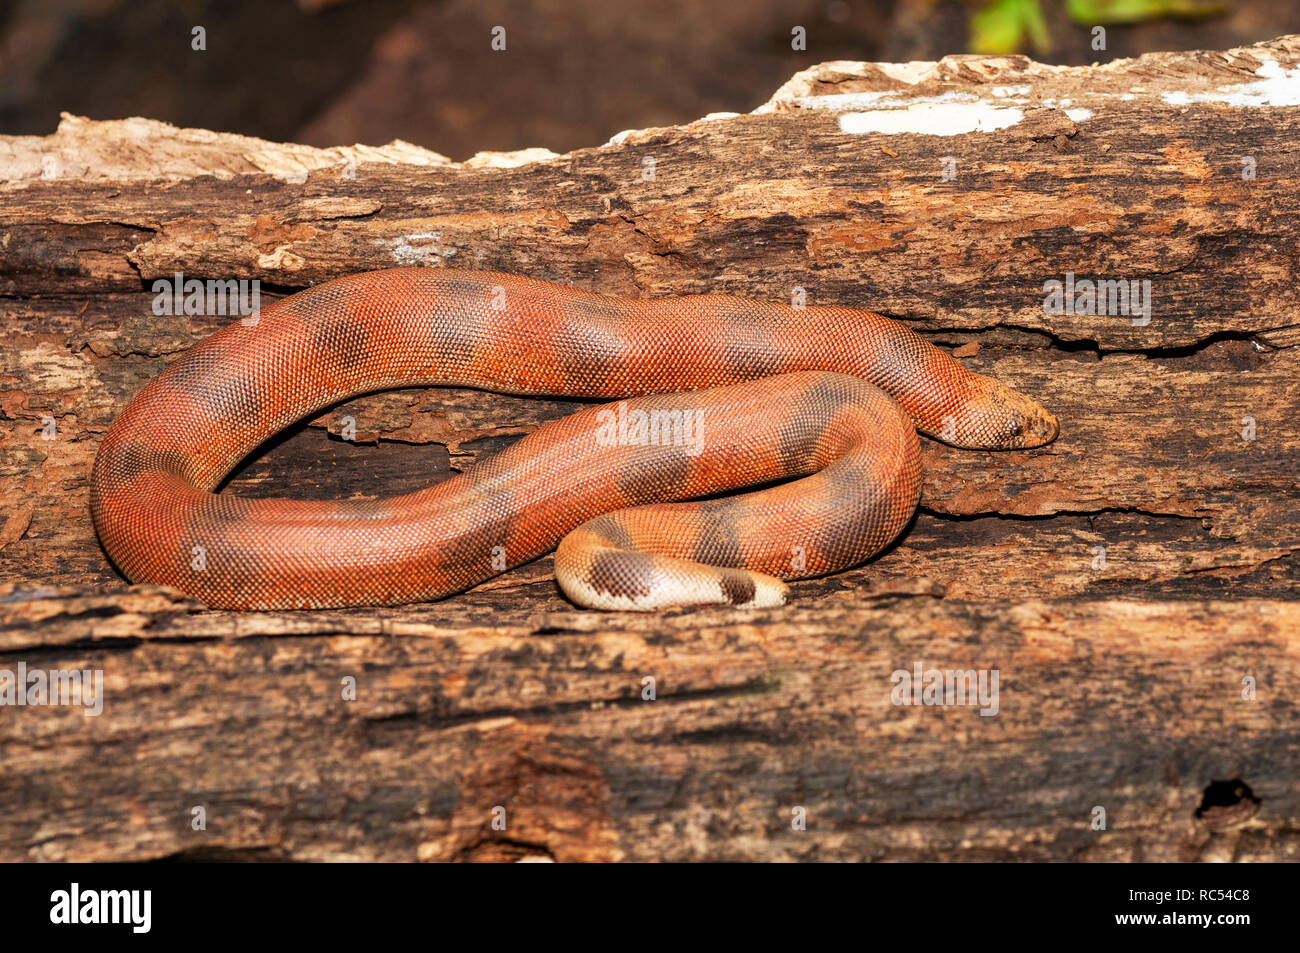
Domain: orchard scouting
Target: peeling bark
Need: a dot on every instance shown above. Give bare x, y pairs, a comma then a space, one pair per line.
1123, 581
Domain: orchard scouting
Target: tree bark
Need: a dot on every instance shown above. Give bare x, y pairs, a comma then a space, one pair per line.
1134, 585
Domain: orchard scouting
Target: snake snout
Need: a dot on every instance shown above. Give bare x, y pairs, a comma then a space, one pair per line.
1027, 424
1043, 428
1004, 419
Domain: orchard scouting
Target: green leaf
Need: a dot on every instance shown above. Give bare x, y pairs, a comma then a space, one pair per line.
1003, 26
1093, 12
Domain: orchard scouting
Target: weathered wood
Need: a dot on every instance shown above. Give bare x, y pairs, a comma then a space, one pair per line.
1123, 581
1126, 704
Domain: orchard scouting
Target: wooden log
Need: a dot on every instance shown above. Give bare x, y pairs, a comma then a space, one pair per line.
1134, 585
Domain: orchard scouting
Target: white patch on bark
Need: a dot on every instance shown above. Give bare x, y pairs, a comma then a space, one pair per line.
933, 119
1278, 87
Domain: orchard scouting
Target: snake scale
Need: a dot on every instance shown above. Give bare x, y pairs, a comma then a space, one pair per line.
713, 393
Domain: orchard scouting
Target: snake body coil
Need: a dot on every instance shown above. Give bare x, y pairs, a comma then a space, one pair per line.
740, 392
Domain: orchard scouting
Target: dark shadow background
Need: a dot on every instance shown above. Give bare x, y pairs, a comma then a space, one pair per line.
574, 72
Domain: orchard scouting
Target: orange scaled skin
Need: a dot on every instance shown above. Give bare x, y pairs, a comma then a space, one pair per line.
778, 405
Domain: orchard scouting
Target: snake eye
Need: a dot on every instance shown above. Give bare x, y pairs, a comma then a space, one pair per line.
1015, 429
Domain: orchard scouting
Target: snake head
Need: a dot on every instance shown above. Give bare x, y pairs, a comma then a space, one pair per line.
995, 417
1030, 425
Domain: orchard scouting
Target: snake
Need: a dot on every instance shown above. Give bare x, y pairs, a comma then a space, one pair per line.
812, 409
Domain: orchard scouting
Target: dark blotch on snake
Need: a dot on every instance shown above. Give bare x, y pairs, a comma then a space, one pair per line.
621, 574
720, 533
737, 588
340, 339
224, 398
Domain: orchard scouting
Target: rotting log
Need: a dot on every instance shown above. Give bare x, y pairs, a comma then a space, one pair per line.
1130, 584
